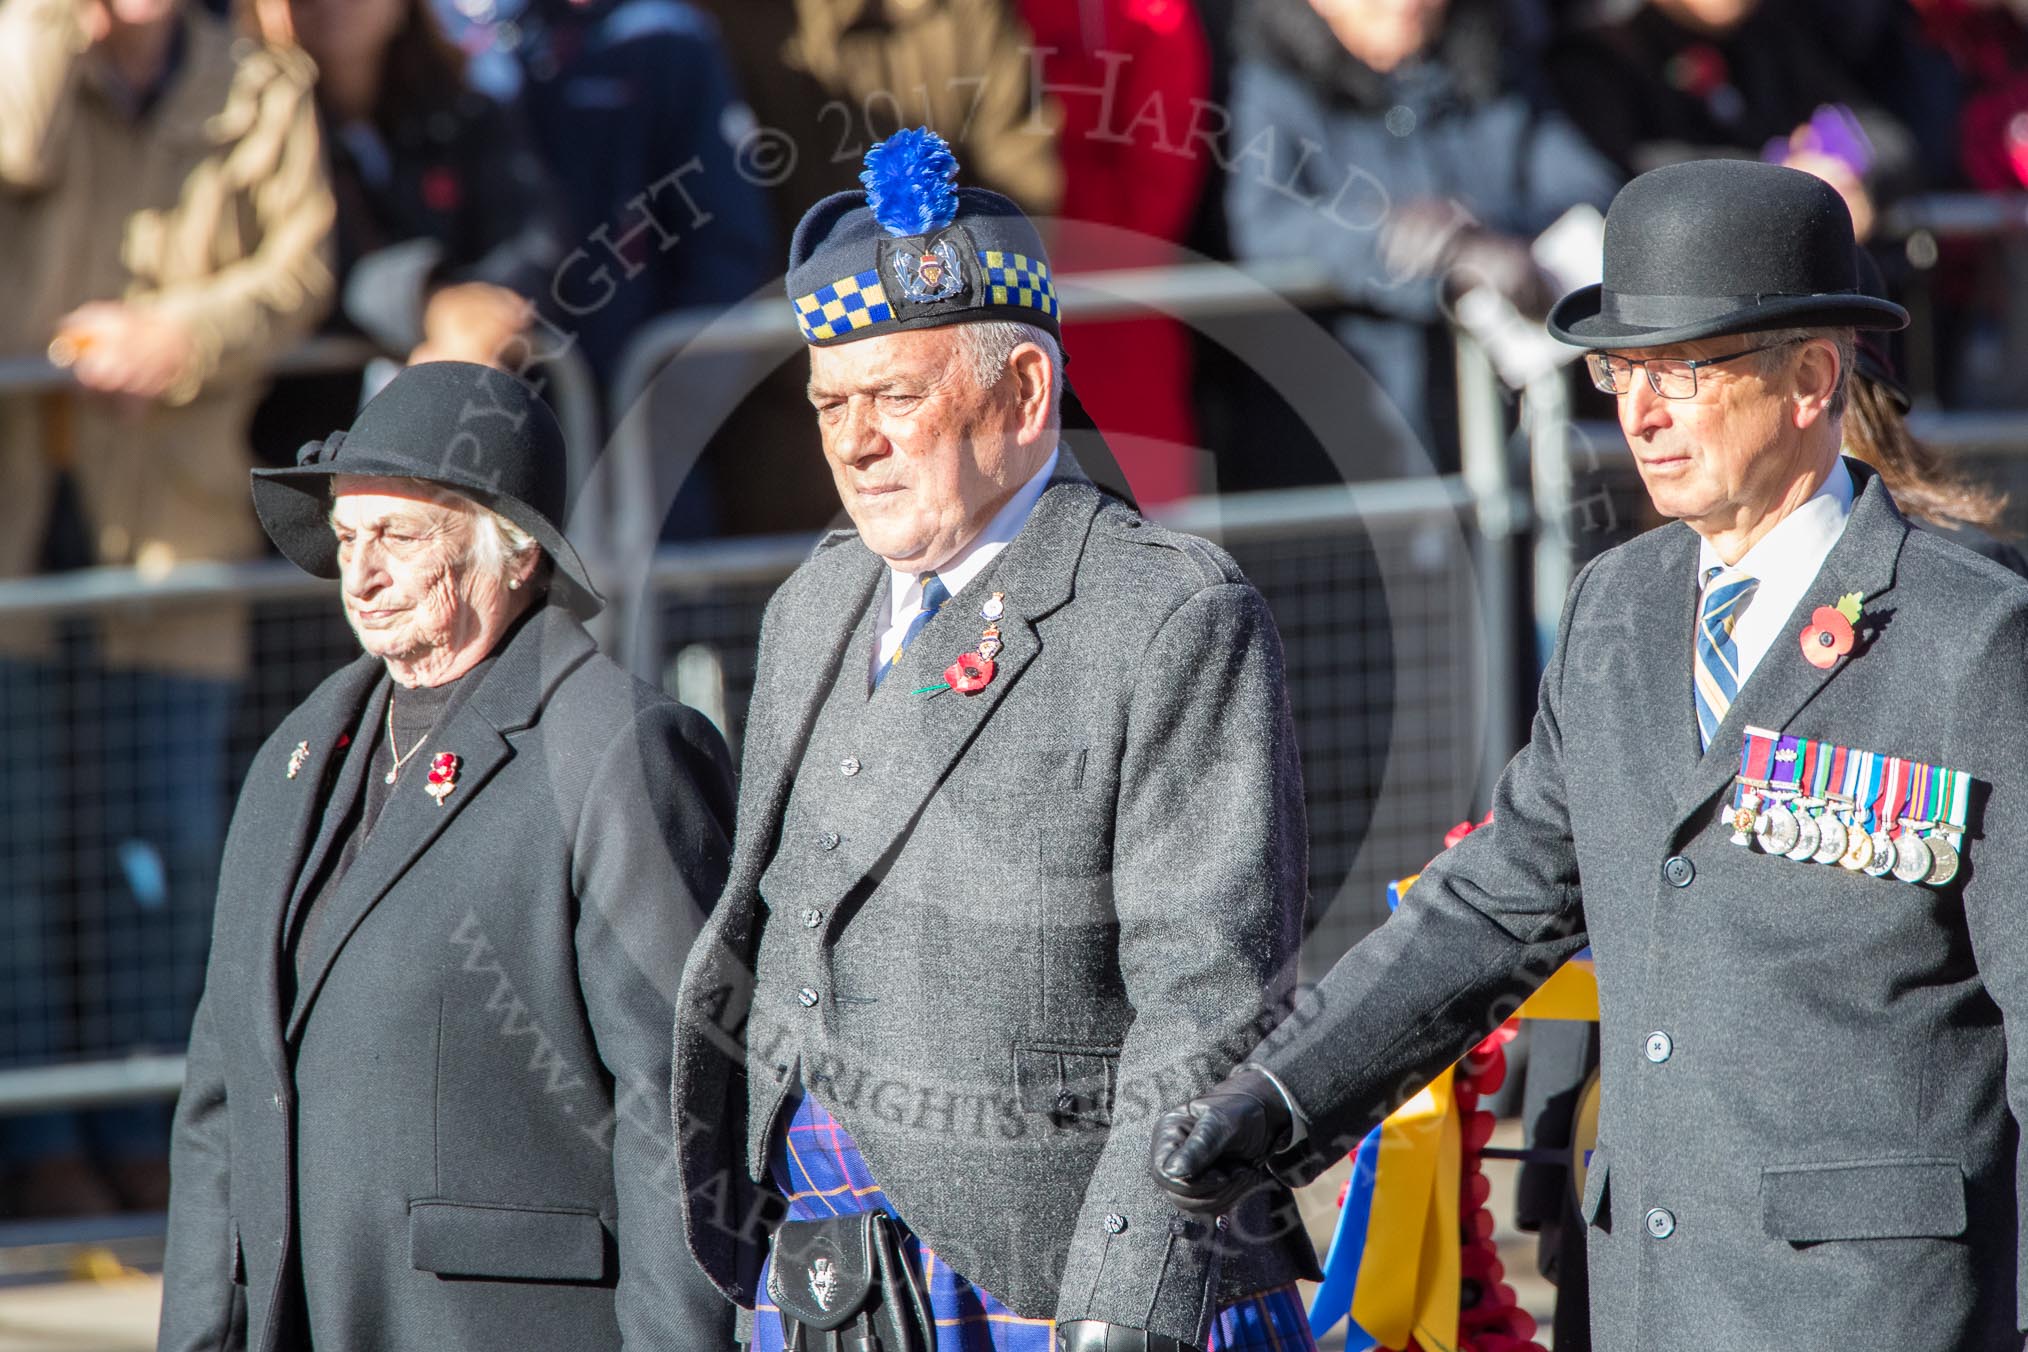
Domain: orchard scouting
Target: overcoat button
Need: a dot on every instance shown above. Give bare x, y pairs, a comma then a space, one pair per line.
828, 840
1181, 1227
1116, 1224
812, 918
1066, 1102
1660, 1047
849, 766
1661, 1223
1679, 871
808, 997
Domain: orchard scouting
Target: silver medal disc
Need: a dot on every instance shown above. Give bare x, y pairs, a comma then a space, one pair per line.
1777, 832
1944, 861
1831, 840
1912, 859
1883, 856
1807, 837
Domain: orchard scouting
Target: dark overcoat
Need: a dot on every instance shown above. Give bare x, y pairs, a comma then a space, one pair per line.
997, 932
457, 1138
1808, 1132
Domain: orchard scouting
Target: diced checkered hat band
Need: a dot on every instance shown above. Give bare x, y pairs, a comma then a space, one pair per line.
850, 305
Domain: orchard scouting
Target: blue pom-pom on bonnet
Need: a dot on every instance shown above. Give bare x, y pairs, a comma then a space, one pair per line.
908, 180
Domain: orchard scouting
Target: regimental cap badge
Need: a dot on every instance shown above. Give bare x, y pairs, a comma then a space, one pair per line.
910, 180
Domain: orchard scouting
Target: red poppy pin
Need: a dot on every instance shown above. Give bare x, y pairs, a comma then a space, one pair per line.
974, 671
443, 776
969, 674
1828, 636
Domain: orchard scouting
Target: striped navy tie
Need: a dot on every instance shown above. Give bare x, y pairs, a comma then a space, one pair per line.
934, 594
1715, 679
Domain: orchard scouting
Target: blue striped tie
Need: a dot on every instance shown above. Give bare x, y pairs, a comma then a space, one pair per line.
934, 594
1715, 679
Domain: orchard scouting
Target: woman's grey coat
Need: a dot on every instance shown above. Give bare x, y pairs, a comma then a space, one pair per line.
458, 1136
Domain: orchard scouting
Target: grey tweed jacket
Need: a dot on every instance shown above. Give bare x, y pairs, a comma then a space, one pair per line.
1032, 917
1808, 1136
454, 1138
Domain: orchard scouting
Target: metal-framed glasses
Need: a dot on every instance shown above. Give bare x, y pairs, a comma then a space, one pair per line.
1670, 377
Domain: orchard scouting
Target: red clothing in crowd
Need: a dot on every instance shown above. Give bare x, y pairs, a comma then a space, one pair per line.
1131, 78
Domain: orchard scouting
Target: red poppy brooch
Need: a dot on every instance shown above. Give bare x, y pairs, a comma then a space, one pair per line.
1829, 634
443, 776
973, 672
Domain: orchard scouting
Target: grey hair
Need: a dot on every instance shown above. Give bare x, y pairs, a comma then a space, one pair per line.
497, 544
989, 345
1845, 340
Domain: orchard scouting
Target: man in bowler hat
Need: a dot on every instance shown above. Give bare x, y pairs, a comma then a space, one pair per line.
1021, 850
1775, 781
425, 1098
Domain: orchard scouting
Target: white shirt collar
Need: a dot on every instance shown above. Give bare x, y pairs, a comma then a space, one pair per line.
1786, 562
905, 588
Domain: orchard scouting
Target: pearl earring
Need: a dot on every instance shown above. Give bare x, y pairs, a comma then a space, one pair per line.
513, 584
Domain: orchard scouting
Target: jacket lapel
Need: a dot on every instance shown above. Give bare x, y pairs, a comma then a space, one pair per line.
812, 633
326, 716
921, 735
347, 778
536, 657
1784, 682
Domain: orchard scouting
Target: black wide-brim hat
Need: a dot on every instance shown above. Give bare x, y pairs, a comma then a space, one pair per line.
1715, 247
468, 428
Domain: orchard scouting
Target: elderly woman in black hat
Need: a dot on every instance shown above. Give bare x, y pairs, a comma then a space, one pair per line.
427, 1087
1776, 783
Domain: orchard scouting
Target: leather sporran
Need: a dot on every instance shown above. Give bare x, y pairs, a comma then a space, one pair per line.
843, 1284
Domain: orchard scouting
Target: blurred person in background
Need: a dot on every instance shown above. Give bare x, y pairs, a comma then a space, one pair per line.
1128, 78
638, 119
164, 209
826, 78
1395, 144
636, 114
447, 223
1697, 79
1934, 494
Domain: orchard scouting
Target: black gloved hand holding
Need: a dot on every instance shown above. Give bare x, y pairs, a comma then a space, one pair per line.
1209, 1153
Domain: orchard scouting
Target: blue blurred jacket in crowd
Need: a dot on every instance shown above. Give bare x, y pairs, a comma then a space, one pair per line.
633, 106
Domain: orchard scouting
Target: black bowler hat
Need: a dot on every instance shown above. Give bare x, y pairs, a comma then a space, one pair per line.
461, 426
1713, 247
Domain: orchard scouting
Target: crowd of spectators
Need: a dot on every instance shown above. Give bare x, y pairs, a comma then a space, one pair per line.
189, 187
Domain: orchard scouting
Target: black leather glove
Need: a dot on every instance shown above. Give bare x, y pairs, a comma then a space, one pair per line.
1209, 1153
1095, 1335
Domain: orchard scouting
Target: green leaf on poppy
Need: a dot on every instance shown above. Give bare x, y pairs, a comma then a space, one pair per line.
1849, 605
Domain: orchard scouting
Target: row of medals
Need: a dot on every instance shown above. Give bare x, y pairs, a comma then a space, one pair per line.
1816, 831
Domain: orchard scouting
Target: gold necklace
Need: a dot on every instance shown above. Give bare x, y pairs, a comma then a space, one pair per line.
394, 749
